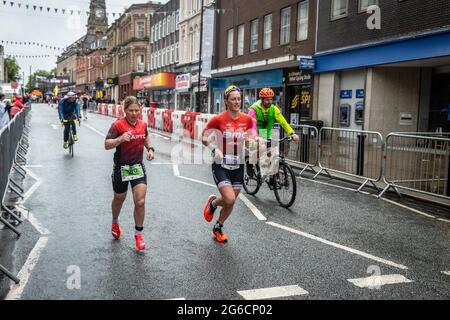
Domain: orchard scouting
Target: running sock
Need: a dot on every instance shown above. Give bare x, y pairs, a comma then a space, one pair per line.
218, 226
138, 230
115, 221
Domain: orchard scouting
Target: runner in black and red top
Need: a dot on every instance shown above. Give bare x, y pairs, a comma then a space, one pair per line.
129, 136
231, 129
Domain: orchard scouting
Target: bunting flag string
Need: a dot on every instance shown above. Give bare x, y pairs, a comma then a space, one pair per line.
79, 12
30, 43
20, 56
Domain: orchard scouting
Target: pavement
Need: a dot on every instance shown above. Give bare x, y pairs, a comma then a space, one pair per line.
332, 243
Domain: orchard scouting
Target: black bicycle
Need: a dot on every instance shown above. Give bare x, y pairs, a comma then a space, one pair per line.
71, 142
283, 182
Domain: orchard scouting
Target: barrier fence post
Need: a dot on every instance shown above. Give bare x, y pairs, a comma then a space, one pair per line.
360, 160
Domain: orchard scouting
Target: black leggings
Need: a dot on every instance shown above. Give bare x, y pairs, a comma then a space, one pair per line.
67, 126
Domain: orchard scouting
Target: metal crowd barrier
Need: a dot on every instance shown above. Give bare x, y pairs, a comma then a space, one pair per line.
13, 146
305, 151
418, 162
355, 153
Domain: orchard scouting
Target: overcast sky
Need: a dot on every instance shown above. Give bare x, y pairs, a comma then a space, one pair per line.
49, 28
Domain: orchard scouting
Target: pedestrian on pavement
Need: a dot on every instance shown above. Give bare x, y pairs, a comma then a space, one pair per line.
230, 129
129, 136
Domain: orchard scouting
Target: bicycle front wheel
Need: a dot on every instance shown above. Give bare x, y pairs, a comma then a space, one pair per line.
252, 179
285, 187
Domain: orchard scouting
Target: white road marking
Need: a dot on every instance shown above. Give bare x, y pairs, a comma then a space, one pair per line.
383, 199
332, 185
339, 246
197, 181
177, 299
378, 281
33, 166
270, 293
252, 208
32, 219
33, 187
16, 290
176, 171
95, 130
446, 272
408, 208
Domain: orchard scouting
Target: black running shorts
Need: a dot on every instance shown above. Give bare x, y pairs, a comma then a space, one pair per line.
120, 186
224, 177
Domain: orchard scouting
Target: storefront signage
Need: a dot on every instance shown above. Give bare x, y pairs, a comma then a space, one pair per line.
360, 93
346, 94
306, 63
183, 81
298, 77
112, 81
163, 80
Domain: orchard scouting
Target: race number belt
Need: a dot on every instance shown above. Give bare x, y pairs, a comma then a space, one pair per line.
231, 162
131, 172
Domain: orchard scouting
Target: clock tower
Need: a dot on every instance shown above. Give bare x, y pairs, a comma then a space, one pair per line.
98, 21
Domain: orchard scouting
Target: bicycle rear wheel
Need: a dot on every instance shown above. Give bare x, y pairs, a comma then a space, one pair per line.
285, 187
252, 178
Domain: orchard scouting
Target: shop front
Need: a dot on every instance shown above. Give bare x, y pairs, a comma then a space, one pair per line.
183, 95
298, 95
250, 84
112, 89
125, 86
160, 88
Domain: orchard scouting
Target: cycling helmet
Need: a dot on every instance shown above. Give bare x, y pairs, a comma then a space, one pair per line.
266, 93
71, 94
230, 89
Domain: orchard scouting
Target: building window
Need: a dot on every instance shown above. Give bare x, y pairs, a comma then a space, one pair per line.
140, 29
267, 32
169, 25
164, 27
160, 30
339, 9
191, 44
177, 19
152, 34
285, 30
240, 40
364, 4
302, 20
254, 35
230, 43
177, 51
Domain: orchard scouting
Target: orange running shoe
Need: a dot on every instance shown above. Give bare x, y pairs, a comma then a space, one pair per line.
219, 235
140, 243
116, 231
208, 211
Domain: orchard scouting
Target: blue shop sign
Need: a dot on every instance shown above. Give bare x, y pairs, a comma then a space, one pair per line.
346, 94
307, 63
360, 93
